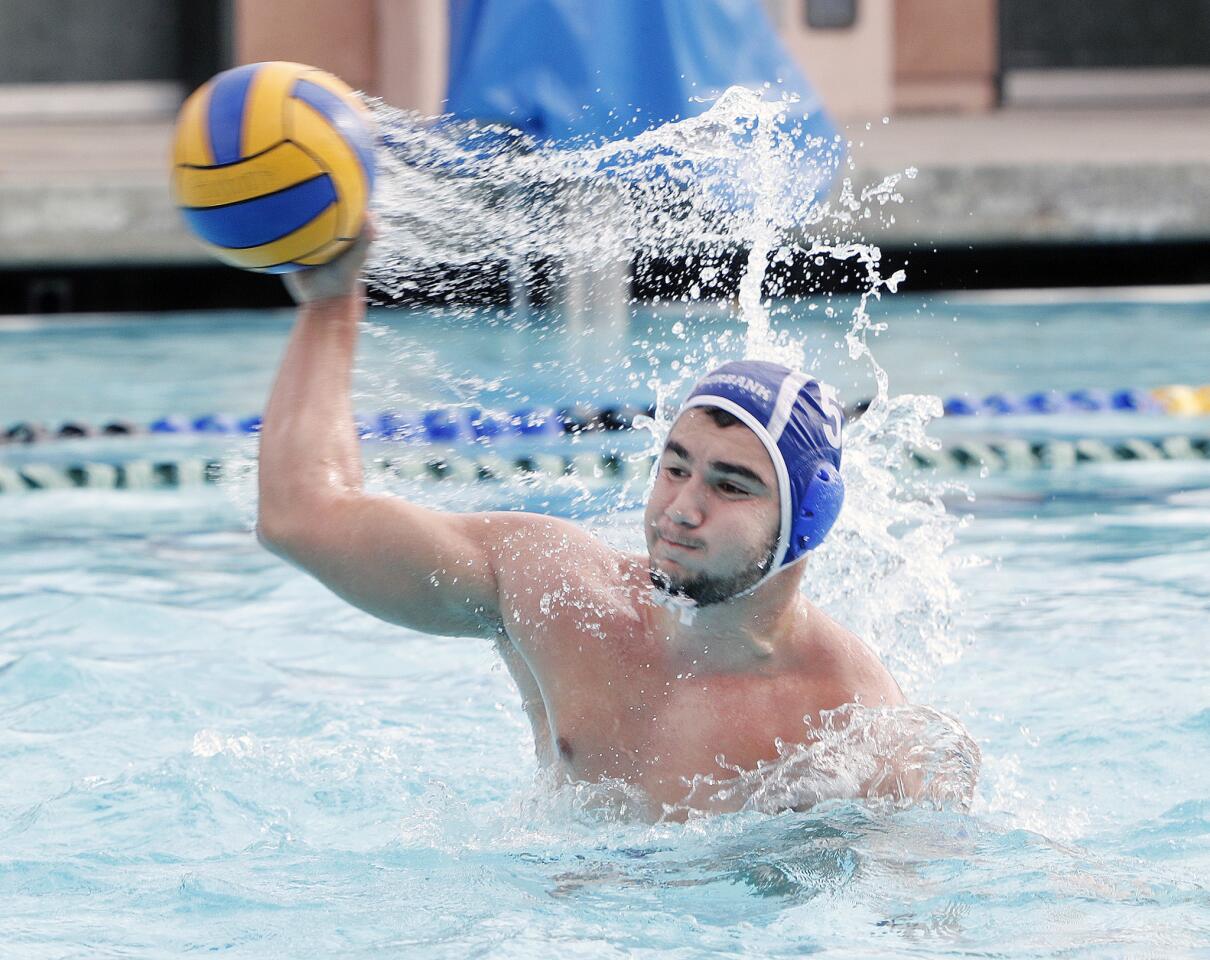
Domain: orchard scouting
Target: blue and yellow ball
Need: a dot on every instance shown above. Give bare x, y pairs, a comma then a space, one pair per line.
273, 166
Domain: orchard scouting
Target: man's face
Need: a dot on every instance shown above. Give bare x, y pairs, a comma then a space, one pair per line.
713, 516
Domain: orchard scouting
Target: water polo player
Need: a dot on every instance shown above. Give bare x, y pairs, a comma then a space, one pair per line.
647, 669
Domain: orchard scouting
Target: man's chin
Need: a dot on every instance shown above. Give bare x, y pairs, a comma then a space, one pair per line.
703, 590
662, 579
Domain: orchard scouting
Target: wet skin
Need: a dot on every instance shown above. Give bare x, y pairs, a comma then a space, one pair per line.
614, 683
616, 687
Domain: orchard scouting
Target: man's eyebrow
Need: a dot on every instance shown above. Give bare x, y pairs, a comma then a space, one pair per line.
718, 466
680, 451
722, 466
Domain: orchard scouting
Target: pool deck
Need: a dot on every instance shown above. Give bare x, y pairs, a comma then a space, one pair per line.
95, 193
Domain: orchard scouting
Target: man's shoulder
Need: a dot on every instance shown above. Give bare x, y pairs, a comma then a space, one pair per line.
845, 667
570, 601
537, 546
526, 532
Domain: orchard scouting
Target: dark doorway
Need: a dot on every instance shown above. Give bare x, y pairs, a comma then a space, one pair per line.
1096, 34
67, 41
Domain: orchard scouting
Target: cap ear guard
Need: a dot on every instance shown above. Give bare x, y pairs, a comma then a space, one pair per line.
818, 512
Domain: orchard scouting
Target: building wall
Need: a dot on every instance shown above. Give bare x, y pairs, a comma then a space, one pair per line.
336, 36
851, 68
898, 56
413, 53
946, 54
395, 49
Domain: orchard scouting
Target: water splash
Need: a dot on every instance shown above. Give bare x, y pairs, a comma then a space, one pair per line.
461, 207
892, 755
457, 195
888, 757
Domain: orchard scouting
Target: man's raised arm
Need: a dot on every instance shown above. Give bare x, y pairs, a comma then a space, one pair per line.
413, 566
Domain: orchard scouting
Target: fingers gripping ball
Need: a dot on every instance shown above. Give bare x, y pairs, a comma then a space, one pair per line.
273, 166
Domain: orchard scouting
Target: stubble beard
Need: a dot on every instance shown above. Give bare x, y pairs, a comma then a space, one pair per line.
705, 589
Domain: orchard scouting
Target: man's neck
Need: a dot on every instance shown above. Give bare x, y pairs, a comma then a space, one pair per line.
738, 635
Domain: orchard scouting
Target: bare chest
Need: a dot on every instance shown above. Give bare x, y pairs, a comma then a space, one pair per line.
672, 735
614, 705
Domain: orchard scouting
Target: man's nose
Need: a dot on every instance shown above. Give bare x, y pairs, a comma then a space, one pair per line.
686, 507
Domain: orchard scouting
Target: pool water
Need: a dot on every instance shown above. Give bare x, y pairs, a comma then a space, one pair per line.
205, 751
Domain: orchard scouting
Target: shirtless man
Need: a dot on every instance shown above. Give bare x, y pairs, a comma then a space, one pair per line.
641, 668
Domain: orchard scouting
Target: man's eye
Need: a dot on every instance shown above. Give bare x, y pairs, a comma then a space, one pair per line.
731, 489
678, 472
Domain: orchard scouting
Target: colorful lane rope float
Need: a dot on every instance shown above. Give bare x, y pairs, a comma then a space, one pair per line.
444, 425
1178, 400
593, 468
587, 468
1012, 453
455, 425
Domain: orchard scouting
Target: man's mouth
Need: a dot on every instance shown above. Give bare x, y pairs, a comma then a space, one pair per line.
683, 544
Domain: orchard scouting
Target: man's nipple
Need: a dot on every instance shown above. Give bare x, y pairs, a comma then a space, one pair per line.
565, 750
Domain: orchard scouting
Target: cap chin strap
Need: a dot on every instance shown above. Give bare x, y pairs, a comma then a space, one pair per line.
768, 575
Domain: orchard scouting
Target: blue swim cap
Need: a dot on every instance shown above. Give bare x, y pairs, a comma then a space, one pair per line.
799, 420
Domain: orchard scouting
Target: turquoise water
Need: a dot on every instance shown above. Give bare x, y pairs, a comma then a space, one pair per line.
207, 752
